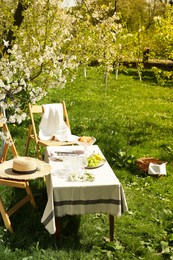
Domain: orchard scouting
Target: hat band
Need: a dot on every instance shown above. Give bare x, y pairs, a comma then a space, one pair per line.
24, 172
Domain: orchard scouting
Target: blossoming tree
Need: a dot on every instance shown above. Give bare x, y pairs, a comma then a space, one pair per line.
34, 58
97, 35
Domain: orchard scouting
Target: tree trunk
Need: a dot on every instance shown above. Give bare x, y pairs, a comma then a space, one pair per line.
116, 70
84, 71
18, 18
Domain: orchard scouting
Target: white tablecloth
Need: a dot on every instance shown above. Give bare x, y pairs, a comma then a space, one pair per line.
104, 195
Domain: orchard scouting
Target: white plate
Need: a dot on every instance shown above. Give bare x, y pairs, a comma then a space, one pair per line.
101, 163
85, 144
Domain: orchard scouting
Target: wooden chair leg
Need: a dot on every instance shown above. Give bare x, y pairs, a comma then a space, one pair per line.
5, 217
31, 197
6, 214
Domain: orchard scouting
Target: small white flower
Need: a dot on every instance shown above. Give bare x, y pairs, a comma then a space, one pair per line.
12, 119
2, 96
6, 43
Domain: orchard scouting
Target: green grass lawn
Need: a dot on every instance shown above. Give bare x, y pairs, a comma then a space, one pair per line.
130, 119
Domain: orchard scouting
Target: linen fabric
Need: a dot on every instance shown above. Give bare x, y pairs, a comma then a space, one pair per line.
52, 125
104, 195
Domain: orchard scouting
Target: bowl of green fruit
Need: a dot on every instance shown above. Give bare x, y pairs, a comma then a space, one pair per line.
95, 160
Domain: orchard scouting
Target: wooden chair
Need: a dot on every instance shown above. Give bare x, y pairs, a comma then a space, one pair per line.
9, 144
35, 110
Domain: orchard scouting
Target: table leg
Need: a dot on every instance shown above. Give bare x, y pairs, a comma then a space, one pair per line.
57, 233
111, 227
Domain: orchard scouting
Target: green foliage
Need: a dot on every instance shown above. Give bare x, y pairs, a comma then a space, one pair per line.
139, 13
163, 76
163, 37
162, 44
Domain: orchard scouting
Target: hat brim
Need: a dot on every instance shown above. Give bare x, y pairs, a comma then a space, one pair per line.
6, 171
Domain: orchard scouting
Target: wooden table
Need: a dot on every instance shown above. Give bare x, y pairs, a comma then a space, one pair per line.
103, 195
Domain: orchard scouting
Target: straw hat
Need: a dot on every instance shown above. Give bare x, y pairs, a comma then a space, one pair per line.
24, 168
24, 165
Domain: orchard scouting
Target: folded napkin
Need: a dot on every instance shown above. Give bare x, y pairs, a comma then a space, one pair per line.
157, 169
52, 125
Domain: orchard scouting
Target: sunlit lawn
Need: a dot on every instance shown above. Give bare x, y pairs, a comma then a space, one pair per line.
130, 119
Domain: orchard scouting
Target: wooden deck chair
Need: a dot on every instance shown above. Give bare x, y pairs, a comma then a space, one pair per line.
35, 110
11, 182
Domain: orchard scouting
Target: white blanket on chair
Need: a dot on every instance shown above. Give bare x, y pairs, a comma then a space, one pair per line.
52, 125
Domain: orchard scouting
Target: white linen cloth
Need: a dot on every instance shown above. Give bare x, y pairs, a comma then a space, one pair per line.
104, 195
157, 169
52, 125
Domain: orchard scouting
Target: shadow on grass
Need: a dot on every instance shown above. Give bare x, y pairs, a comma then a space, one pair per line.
147, 77
29, 231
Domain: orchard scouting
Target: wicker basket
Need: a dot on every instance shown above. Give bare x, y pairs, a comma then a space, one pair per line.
143, 163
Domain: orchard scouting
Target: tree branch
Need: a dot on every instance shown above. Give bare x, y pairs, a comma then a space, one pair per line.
18, 18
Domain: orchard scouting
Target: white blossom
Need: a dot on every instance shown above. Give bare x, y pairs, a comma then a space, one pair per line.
6, 43
20, 118
12, 119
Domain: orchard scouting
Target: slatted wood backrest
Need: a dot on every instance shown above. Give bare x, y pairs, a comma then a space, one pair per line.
38, 109
34, 110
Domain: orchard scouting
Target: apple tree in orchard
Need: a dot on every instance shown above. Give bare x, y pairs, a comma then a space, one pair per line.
163, 43
98, 32
33, 57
